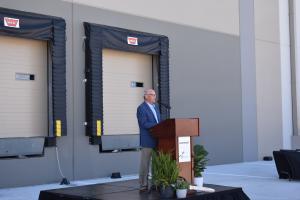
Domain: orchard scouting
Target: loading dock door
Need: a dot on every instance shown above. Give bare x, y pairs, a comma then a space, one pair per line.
125, 77
23, 88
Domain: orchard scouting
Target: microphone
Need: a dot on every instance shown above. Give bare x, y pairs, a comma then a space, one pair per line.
165, 105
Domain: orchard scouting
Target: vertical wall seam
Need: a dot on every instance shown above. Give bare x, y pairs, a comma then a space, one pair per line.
293, 66
73, 90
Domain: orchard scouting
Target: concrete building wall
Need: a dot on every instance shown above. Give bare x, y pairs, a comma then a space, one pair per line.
248, 80
273, 82
205, 82
213, 84
212, 15
295, 15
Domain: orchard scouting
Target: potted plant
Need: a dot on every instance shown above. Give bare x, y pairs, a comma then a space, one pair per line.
200, 162
164, 173
182, 187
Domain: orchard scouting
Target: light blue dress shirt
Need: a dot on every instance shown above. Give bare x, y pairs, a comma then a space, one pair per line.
152, 107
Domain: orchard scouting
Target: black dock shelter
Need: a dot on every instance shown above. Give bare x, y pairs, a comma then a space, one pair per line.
99, 37
28, 25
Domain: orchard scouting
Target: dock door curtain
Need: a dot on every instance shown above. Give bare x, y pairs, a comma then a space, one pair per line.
52, 29
99, 37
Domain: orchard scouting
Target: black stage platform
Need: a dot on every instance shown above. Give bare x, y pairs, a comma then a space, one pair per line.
124, 190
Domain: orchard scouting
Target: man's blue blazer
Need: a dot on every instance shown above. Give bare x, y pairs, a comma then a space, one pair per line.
146, 121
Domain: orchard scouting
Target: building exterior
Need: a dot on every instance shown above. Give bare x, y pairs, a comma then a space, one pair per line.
233, 64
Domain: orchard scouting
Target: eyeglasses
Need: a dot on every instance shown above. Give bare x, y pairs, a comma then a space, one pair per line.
151, 94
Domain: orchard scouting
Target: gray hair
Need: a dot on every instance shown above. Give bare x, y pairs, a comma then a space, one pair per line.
147, 91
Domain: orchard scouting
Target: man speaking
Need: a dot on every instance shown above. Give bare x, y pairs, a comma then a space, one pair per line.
148, 116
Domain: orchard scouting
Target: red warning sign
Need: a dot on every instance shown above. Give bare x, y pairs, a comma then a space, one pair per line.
132, 40
11, 22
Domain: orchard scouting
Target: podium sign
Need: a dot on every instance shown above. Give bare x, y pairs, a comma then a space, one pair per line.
184, 149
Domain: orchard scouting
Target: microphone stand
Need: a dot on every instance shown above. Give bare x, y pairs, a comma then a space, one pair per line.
167, 107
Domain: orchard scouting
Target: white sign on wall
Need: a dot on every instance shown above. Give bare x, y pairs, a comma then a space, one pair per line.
184, 149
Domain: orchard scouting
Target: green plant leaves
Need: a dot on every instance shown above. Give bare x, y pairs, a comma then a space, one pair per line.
164, 169
182, 184
200, 160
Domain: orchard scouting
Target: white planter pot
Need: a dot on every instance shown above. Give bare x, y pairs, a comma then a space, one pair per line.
181, 193
198, 181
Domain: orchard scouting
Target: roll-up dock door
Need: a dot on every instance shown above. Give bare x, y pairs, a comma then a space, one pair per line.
23, 88
125, 77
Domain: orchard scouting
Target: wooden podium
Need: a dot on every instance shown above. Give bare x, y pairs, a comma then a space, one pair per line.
174, 137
